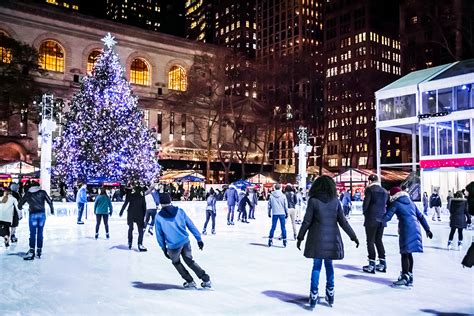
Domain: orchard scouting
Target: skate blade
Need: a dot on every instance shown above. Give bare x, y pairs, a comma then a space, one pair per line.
402, 287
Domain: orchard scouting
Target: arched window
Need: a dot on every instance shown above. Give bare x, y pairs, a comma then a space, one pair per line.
92, 59
5, 52
139, 72
177, 79
51, 56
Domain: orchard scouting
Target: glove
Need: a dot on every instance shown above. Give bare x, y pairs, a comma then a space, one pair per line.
298, 244
52, 211
429, 234
269, 215
110, 214
166, 253
356, 242
201, 245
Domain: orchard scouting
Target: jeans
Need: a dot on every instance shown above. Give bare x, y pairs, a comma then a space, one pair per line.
407, 263
36, 223
374, 239
80, 210
210, 215
317, 264
275, 219
151, 213
230, 213
453, 230
140, 227
98, 218
185, 252
252, 212
425, 209
346, 209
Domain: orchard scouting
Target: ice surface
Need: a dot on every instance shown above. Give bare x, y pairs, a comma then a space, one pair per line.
79, 275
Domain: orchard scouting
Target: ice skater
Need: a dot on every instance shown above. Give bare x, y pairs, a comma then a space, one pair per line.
81, 200
135, 214
323, 217
243, 202
152, 201
210, 211
299, 205
170, 226
232, 199
425, 203
435, 202
253, 202
458, 214
410, 239
102, 209
346, 203
291, 198
17, 216
8, 207
277, 211
37, 200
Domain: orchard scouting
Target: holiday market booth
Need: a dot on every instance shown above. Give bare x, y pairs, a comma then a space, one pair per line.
435, 106
18, 171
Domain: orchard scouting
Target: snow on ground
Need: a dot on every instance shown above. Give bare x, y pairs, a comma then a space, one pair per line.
78, 275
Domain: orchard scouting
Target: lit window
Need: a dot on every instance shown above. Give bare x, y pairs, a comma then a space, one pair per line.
177, 79
4, 128
5, 53
51, 56
139, 72
91, 60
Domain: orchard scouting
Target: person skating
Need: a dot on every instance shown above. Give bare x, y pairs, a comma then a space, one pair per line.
81, 200
17, 216
457, 218
374, 207
253, 202
323, 217
171, 226
244, 200
435, 202
468, 260
152, 201
232, 199
210, 211
8, 207
135, 214
346, 202
37, 200
299, 205
241, 195
291, 198
102, 209
425, 204
410, 239
277, 211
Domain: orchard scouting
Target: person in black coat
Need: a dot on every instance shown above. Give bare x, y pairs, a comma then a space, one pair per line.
410, 239
135, 214
435, 202
457, 217
324, 243
243, 202
374, 207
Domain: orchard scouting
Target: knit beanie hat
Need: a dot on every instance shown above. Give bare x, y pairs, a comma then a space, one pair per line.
395, 190
165, 198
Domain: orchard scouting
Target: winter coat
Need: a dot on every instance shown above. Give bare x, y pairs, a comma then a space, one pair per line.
277, 204
243, 203
470, 198
374, 205
136, 208
458, 213
346, 199
150, 202
103, 205
324, 241
81, 196
435, 200
211, 203
170, 226
7, 209
231, 195
253, 199
36, 199
410, 239
291, 198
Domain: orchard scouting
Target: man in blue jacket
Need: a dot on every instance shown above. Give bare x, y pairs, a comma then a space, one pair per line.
81, 200
232, 198
171, 234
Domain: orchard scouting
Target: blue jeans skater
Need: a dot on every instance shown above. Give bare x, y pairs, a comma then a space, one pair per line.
36, 223
317, 264
275, 219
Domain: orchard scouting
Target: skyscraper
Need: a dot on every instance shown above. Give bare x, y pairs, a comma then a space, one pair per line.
199, 17
66, 4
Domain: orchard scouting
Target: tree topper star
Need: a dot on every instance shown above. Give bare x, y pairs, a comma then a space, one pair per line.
109, 41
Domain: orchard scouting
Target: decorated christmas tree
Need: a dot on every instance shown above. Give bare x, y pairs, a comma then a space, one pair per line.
104, 136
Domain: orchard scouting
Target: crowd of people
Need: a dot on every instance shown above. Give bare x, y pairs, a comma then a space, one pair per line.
324, 212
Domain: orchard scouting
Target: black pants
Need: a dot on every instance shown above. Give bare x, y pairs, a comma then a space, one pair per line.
374, 239
151, 213
140, 227
453, 230
98, 218
186, 254
210, 215
244, 214
407, 263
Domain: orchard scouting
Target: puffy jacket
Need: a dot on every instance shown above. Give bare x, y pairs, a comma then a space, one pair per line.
323, 217
103, 205
470, 198
458, 213
435, 200
374, 205
81, 196
136, 208
36, 199
170, 226
291, 198
277, 204
410, 239
231, 195
8, 208
211, 203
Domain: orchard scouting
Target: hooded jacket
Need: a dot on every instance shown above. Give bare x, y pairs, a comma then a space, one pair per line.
231, 195
458, 213
7, 209
170, 226
435, 200
36, 199
277, 205
374, 205
81, 196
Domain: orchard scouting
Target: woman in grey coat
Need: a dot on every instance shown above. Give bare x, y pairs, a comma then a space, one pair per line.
323, 217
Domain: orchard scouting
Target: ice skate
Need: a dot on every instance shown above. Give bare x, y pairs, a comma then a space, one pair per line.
38, 253
13, 239
141, 248
403, 280
459, 245
7, 242
270, 242
204, 232
450, 246
232, 223
330, 296
284, 243
30, 255
294, 236
129, 245
313, 299
189, 285
228, 222
107, 236
80, 223
410, 279
213, 231
370, 268
206, 285
381, 266
96, 236
439, 219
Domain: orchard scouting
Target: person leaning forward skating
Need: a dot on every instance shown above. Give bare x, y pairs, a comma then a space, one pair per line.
170, 226
135, 214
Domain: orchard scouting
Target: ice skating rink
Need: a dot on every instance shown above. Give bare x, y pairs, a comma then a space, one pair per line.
79, 275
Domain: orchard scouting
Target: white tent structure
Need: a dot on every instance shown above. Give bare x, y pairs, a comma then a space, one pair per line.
18, 167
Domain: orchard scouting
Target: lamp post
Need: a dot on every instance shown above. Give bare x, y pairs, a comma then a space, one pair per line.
47, 126
302, 149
